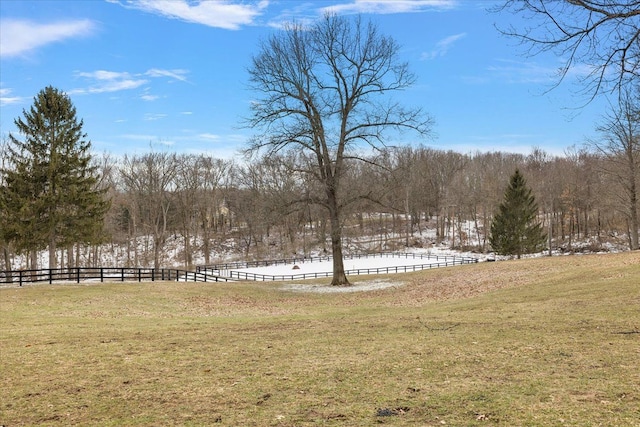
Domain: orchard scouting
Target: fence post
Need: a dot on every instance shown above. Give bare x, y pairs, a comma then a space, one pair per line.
77, 274
101, 274
20, 279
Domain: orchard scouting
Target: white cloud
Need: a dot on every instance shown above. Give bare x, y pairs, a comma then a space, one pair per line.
18, 37
173, 74
5, 99
102, 81
150, 117
104, 75
108, 81
146, 96
213, 13
209, 137
443, 46
389, 6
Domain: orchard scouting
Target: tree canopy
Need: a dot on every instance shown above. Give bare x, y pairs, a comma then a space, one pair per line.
50, 190
515, 229
325, 95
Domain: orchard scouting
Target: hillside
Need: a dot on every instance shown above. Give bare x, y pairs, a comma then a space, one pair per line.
545, 342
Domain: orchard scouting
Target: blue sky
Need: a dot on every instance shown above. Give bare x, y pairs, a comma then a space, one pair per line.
171, 74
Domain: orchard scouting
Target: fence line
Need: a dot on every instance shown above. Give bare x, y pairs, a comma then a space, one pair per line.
211, 273
265, 263
444, 261
111, 274
302, 260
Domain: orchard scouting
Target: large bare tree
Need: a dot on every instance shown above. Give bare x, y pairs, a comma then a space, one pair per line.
323, 92
602, 36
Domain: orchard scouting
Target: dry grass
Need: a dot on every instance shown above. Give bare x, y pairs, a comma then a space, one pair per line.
551, 341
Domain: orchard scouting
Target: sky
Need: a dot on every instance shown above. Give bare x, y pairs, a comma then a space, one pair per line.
172, 74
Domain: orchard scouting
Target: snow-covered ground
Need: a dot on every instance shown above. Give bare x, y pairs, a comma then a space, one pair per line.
360, 286
373, 264
303, 269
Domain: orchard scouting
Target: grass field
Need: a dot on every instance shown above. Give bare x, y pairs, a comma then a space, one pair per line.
542, 342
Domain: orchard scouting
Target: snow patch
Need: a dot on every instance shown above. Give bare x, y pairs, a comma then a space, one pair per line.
368, 285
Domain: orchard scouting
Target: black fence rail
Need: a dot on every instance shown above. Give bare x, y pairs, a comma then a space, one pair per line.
219, 272
226, 270
302, 260
106, 274
265, 263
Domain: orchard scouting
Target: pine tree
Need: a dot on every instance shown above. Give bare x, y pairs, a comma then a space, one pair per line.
50, 188
515, 229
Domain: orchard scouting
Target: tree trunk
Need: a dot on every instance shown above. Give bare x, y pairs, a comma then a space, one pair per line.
549, 233
188, 256
53, 262
158, 242
33, 262
408, 218
633, 205
70, 260
339, 277
634, 229
7, 261
206, 247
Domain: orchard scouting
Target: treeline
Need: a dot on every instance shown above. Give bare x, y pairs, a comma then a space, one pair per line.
266, 207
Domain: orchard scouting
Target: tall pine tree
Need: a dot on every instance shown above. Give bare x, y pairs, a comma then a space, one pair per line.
515, 229
50, 188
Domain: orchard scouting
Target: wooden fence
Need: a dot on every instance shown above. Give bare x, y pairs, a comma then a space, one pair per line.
105, 274
213, 273
227, 268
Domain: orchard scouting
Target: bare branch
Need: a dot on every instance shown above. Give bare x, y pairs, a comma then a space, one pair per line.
601, 35
320, 89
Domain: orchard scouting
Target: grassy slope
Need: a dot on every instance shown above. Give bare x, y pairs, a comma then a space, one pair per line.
549, 341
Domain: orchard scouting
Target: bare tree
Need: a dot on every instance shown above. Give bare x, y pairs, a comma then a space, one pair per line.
188, 182
249, 203
619, 144
322, 90
601, 35
215, 175
150, 179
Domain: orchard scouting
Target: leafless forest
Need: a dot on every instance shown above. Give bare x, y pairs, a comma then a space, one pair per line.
186, 209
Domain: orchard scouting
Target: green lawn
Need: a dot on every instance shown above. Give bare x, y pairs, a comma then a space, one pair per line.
543, 342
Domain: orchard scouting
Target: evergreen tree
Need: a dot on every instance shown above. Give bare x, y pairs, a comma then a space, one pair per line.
49, 186
515, 230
